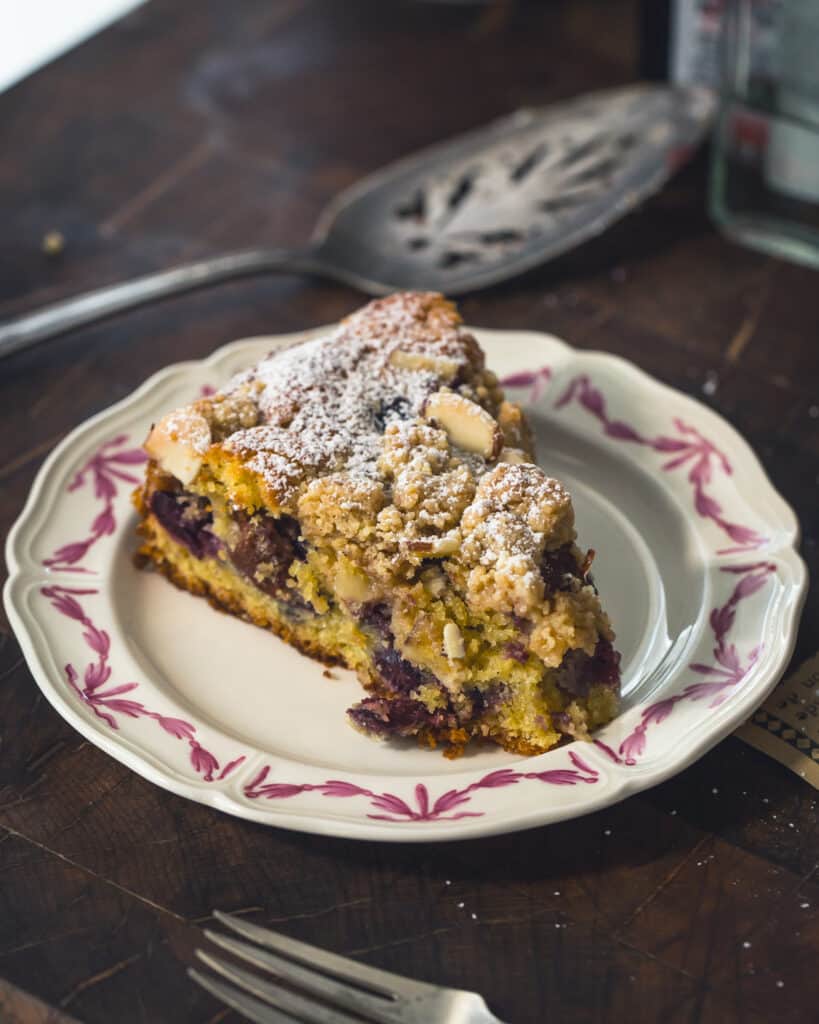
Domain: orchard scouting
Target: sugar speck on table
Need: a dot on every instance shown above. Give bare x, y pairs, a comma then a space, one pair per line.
710, 384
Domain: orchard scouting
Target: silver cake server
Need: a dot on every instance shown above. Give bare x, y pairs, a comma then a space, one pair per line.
458, 216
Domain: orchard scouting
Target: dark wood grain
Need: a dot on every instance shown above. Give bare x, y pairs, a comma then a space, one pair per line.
171, 136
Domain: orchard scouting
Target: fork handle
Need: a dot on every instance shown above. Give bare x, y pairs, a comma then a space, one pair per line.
32, 328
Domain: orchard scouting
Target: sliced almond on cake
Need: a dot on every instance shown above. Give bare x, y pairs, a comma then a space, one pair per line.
436, 547
466, 424
178, 442
514, 456
453, 642
443, 366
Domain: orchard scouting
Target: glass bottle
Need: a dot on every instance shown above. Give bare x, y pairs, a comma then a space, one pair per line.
764, 188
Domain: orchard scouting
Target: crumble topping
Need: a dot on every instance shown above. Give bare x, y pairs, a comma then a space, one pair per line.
389, 439
325, 404
371, 496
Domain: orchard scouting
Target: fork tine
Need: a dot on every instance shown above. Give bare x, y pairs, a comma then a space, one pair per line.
384, 982
300, 1007
337, 993
239, 1001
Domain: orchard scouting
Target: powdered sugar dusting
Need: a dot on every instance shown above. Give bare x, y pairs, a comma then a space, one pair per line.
325, 404
189, 426
338, 431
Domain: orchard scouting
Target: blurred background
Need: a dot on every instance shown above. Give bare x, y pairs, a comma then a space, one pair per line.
183, 130
266, 94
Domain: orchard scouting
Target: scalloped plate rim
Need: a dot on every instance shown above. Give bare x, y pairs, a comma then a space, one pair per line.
616, 785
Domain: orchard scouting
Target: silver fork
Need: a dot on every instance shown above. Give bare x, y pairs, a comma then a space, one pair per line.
322, 987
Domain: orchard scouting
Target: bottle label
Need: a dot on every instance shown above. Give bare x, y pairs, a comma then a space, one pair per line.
696, 26
695, 33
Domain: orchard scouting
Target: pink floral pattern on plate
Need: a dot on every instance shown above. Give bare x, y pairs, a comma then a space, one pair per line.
725, 673
108, 703
107, 470
690, 449
703, 459
535, 380
396, 809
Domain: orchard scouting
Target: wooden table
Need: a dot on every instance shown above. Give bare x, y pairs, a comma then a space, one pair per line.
178, 134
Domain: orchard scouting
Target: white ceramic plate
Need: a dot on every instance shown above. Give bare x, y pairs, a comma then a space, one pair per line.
696, 566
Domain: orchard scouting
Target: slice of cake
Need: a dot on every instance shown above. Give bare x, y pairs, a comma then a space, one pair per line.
370, 496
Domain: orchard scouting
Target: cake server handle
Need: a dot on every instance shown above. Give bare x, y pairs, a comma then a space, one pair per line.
32, 328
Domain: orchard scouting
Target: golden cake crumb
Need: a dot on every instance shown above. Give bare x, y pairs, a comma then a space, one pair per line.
372, 497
